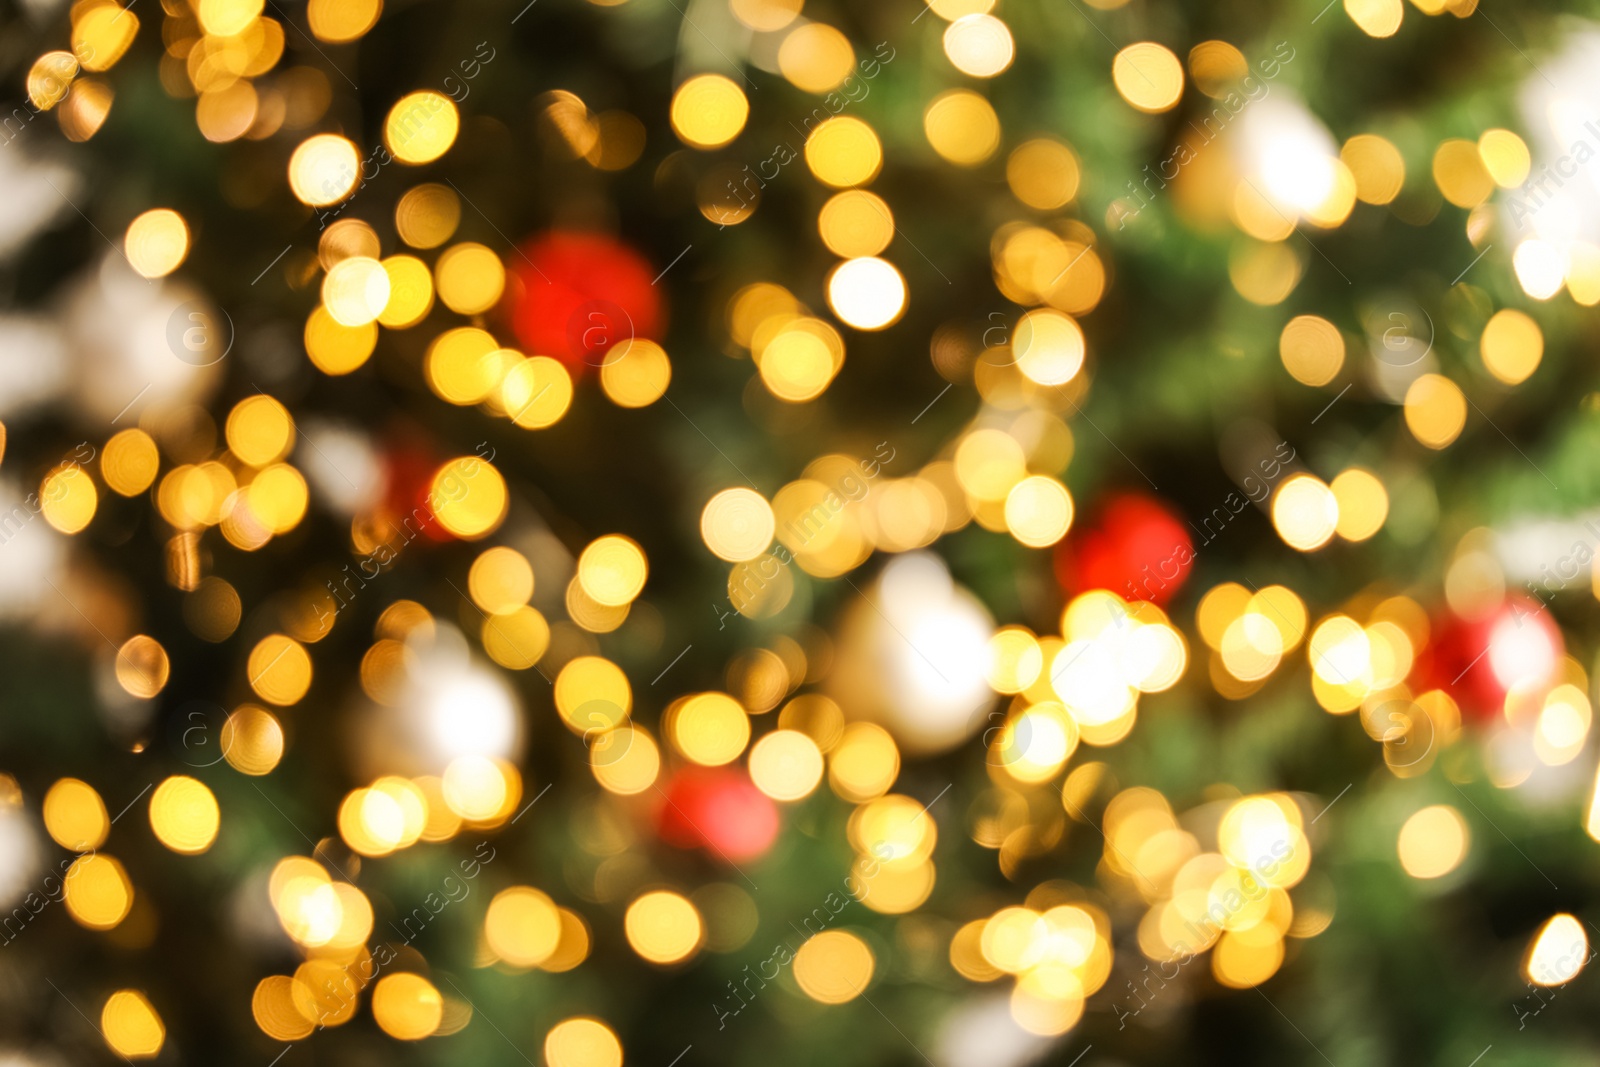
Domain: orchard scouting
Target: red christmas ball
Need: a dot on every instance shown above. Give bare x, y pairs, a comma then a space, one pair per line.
719, 810
1478, 661
1137, 547
575, 295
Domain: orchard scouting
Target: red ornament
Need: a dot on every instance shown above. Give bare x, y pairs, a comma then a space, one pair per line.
1138, 548
719, 810
1479, 661
578, 294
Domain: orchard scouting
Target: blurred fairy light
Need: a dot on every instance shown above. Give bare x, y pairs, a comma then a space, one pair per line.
470, 713
918, 660
919, 656
462, 709
1558, 952
1433, 842
1288, 156
1554, 214
127, 350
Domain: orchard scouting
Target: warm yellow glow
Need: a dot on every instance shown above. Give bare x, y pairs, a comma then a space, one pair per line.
501, 580
864, 764
856, 223
844, 151
979, 45
468, 497
324, 169
950, 10
537, 392
1377, 18
50, 78
753, 306
613, 569
184, 815
663, 927
252, 740
1377, 167
962, 127
279, 670
636, 373
427, 215
833, 967
260, 430
227, 18
1243, 960
1340, 651
737, 524
516, 639
475, 787
1541, 267
800, 359
1263, 835
708, 111
1148, 76
573, 947
1048, 346
274, 1007
1558, 953
989, 463
68, 498
1305, 512
766, 15
1035, 745
421, 127
1038, 511
1265, 274
1217, 67
129, 462
355, 291
278, 497
816, 716
309, 908
709, 728
98, 892
1435, 410
1311, 349
1512, 346
1506, 157
131, 1026
335, 348
75, 816
582, 1042
1043, 174
406, 1006
786, 765
1015, 659
410, 292
816, 57
1433, 842
338, 21
156, 242
592, 695
470, 278
1363, 503
522, 926
101, 35
867, 293
1459, 172
625, 760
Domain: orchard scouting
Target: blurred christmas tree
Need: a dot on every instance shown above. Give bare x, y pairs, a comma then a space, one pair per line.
711, 532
